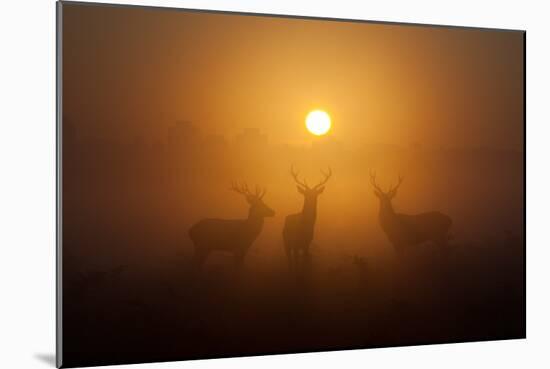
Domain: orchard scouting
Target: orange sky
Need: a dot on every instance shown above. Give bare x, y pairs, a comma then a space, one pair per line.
134, 71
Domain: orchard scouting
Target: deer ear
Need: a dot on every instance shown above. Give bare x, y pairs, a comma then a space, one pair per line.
300, 190
376, 193
320, 190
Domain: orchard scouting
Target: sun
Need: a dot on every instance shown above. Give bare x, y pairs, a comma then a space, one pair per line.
318, 122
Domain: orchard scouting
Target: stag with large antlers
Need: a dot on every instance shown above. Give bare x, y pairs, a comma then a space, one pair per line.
299, 228
233, 236
405, 230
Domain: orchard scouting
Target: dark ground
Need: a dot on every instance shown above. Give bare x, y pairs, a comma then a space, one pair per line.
128, 315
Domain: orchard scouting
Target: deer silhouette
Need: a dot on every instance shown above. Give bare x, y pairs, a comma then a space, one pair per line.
405, 230
233, 236
299, 228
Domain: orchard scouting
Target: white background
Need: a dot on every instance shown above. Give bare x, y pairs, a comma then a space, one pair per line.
27, 180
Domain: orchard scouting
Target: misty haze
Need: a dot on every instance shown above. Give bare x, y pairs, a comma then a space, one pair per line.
239, 185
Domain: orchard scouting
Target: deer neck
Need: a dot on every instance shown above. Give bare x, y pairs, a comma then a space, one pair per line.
309, 211
255, 223
386, 212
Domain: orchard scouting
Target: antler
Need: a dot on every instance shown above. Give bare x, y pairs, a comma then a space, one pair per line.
294, 175
240, 188
373, 182
399, 181
325, 180
260, 192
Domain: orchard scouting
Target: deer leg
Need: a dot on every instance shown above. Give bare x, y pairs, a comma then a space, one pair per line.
306, 252
443, 245
288, 252
307, 258
199, 257
298, 258
239, 260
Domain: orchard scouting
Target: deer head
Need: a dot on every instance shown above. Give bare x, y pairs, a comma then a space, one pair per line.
258, 209
310, 193
384, 196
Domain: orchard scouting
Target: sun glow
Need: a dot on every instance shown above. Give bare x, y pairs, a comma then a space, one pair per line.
318, 122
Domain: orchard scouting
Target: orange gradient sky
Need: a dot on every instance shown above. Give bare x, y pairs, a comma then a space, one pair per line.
134, 71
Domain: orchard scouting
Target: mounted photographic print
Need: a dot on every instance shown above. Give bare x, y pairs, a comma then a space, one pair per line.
235, 184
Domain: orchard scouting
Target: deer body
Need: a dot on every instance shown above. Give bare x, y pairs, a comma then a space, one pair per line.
230, 235
405, 230
299, 228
